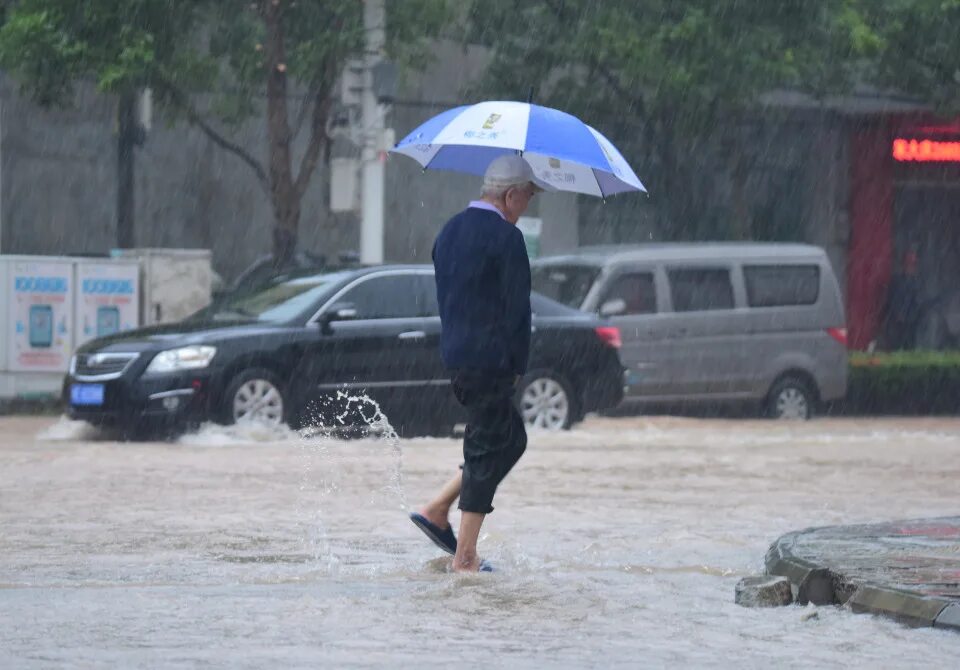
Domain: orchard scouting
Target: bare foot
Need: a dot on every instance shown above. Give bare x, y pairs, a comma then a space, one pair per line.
466, 564
436, 516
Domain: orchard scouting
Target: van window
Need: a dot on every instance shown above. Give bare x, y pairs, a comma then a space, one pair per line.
781, 285
700, 289
567, 284
637, 291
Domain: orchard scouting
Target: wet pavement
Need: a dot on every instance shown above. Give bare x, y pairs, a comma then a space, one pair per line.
618, 545
908, 570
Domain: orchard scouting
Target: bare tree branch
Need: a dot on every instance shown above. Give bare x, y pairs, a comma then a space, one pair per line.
182, 100
304, 109
318, 139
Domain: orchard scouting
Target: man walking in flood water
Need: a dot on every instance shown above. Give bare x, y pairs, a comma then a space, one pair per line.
483, 288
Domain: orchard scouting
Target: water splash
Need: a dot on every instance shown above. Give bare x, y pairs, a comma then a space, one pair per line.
324, 440
66, 429
215, 435
314, 538
377, 423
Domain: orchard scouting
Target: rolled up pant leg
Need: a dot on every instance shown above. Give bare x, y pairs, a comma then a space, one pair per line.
494, 440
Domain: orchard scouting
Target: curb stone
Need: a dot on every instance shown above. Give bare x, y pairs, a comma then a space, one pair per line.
32, 405
766, 591
819, 585
908, 608
810, 583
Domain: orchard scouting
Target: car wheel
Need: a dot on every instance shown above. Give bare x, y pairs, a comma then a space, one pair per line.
546, 402
255, 395
790, 398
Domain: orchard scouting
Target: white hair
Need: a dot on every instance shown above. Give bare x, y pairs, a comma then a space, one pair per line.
497, 189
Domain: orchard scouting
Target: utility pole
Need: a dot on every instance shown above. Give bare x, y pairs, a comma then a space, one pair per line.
372, 157
126, 142
134, 112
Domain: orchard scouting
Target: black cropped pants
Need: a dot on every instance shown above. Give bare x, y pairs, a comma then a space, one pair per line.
495, 438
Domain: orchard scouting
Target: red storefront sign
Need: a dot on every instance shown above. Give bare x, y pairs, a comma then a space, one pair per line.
926, 151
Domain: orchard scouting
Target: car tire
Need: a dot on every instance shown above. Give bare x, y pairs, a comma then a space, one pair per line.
790, 398
546, 401
255, 394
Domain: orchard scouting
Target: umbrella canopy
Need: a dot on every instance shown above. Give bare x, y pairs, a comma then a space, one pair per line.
562, 150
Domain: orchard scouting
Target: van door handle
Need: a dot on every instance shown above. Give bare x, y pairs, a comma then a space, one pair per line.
412, 335
679, 332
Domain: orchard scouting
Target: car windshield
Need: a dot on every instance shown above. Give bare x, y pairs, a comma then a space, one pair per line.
278, 301
543, 306
567, 284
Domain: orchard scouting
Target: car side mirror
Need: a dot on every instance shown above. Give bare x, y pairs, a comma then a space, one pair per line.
614, 307
342, 311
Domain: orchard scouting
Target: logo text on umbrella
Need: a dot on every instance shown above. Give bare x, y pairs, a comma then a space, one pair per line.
491, 121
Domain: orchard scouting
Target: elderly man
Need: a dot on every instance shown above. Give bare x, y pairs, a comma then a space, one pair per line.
483, 287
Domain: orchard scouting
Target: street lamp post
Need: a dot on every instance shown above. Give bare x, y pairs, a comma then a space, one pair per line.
372, 156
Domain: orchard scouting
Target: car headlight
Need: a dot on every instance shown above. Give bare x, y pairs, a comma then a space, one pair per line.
185, 358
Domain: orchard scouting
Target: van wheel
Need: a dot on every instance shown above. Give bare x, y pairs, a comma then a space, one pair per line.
546, 401
790, 398
255, 395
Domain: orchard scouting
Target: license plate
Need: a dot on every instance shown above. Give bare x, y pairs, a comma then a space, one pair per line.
86, 394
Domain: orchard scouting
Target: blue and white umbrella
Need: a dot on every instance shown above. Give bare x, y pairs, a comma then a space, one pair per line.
562, 150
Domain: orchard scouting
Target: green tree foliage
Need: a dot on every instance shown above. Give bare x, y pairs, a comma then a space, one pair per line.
663, 76
216, 63
920, 53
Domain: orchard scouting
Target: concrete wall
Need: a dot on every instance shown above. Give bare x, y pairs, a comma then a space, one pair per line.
828, 170
58, 182
57, 171
795, 187
58, 185
419, 203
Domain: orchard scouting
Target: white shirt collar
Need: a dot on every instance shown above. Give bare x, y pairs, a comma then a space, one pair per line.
483, 204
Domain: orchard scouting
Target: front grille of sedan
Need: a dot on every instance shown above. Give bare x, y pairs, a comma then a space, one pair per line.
101, 366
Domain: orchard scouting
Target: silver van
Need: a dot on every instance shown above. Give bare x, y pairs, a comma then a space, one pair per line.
707, 322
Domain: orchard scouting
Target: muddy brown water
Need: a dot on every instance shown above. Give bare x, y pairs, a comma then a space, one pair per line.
617, 544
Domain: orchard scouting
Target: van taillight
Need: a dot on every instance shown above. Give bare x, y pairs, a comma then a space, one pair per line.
610, 336
839, 334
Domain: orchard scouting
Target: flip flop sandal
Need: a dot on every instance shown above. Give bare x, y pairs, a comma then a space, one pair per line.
443, 538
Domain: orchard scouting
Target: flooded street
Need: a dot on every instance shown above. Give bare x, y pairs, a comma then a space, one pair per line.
617, 545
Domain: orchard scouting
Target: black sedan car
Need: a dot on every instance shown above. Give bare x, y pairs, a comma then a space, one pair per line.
317, 348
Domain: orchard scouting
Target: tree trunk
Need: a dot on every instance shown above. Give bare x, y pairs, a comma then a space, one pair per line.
126, 142
283, 195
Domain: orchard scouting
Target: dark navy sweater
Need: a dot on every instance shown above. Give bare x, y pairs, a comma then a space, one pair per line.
483, 287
